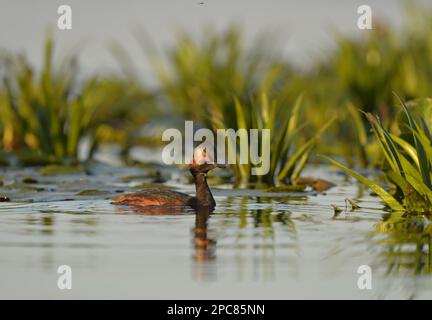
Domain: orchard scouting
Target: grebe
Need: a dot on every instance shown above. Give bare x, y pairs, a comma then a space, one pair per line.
168, 198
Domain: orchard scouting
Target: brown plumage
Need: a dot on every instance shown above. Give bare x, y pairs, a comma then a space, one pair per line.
155, 197
168, 198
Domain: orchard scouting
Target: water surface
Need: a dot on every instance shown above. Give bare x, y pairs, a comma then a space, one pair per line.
254, 245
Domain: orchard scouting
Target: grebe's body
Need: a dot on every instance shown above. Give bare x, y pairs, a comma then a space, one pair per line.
155, 197
169, 198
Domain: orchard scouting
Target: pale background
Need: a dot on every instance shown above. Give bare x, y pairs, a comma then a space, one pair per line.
303, 28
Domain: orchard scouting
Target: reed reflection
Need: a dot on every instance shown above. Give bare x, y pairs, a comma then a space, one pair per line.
407, 243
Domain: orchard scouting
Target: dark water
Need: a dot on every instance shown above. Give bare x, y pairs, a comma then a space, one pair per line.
254, 245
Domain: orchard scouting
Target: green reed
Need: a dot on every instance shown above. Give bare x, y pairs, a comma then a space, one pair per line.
408, 160
49, 114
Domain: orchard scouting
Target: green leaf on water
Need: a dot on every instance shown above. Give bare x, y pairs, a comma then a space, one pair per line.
388, 199
55, 169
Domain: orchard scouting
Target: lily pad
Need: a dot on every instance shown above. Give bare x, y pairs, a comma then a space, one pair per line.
56, 169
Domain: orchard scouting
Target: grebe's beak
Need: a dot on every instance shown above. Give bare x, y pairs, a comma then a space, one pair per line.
206, 167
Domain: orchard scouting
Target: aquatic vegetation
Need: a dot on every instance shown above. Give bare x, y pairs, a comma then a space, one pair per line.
224, 85
289, 148
316, 184
287, 188
354, 206
415, 67
408, 161
337, 210
55, 169
363, 72
365, 151
203, 75
220, 82
47, 116
29, 180
91, 192
367, 69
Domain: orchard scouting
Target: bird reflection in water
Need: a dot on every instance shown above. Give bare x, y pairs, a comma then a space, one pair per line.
204, 246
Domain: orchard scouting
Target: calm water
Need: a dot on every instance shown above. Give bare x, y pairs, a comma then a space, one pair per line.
254, 245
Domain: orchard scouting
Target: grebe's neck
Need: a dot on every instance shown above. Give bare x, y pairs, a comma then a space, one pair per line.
203, 194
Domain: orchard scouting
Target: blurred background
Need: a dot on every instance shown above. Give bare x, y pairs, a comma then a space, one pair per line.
124, 73
303, 28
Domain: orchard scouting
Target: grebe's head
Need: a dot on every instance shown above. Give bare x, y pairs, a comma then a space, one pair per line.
203, 161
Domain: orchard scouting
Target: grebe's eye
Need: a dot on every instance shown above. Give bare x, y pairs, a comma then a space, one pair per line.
202, 155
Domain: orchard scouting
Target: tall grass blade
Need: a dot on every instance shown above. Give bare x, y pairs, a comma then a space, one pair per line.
387, 198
